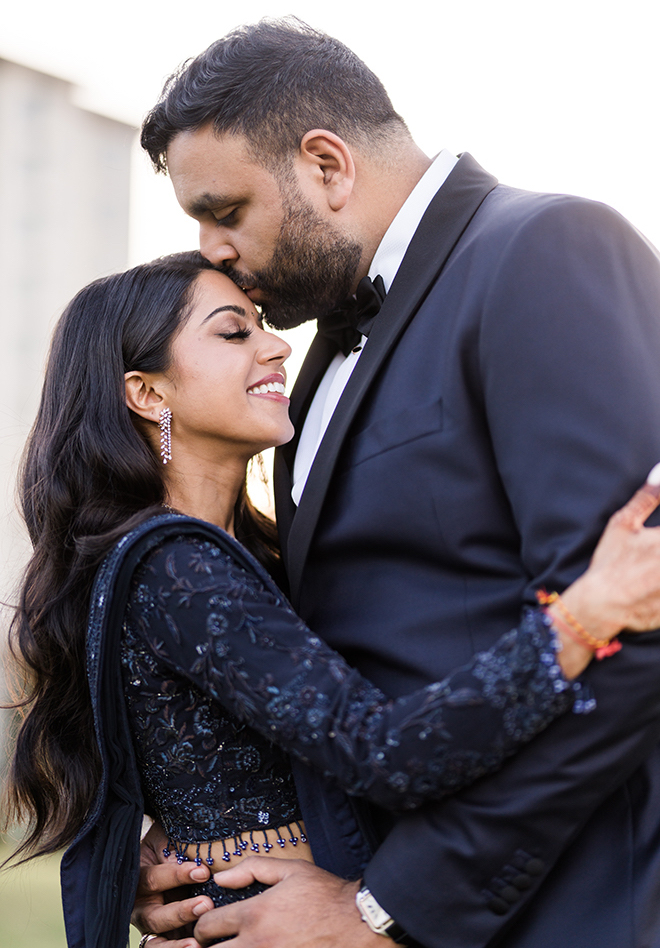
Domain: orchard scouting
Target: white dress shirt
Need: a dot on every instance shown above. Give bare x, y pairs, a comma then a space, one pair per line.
386, 262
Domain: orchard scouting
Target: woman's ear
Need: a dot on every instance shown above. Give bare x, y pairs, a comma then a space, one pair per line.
328, 160
142, 397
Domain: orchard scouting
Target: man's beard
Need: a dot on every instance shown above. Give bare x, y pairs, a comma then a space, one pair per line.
311, 272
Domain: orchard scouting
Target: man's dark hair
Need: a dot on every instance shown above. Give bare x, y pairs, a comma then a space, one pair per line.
272, 82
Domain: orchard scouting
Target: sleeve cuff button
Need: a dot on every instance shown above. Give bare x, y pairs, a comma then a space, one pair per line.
498, 906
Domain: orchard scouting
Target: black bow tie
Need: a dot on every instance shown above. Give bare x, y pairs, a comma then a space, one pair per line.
347, 325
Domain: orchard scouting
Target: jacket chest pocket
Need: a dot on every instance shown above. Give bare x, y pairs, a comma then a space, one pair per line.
399, 428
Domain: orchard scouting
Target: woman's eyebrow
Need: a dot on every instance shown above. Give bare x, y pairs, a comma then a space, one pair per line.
224, 309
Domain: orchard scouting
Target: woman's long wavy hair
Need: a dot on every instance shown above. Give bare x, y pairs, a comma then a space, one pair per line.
88, 476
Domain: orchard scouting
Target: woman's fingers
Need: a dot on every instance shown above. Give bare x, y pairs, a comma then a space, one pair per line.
152, 914
621, 588
169, 875
159, 917
179, 943
152, 845
624, 538
641, 505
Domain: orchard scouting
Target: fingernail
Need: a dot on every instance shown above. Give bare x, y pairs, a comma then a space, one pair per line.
199, 909
654, 477
199, 874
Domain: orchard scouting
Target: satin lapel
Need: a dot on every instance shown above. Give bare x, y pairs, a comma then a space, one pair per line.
318, 358
441, 228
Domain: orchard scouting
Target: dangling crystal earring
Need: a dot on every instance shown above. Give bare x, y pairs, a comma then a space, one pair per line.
165, 425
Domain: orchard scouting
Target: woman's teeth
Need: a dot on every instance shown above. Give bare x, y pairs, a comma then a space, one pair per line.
277, 387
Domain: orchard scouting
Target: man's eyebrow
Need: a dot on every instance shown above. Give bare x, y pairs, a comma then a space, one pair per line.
224, 309
207, 202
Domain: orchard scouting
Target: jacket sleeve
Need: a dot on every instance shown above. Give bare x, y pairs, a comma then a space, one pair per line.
567, 366
214, 622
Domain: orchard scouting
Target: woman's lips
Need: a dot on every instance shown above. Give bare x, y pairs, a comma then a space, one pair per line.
271, 386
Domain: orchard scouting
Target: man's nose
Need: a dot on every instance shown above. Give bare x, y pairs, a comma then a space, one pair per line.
215, 246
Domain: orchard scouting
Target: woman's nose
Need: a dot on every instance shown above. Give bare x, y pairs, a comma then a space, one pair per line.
275, 349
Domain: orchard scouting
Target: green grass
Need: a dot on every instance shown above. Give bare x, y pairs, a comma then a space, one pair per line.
30, 907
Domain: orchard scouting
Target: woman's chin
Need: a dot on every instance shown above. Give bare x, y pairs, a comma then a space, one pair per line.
275, 441
286, 436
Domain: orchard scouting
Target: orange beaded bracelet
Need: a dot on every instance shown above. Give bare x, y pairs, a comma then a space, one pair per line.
602, 648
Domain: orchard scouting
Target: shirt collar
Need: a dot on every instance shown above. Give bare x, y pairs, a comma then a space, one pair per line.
392, 248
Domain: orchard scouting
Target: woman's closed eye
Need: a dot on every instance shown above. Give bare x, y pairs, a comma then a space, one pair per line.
236, 334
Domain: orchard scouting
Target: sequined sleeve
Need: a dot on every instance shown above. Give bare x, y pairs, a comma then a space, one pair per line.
215, 623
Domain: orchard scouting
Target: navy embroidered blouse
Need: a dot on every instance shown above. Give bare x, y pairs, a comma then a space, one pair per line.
223, 681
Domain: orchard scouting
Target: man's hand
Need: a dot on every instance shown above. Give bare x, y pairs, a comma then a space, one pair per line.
151, 912
306, 908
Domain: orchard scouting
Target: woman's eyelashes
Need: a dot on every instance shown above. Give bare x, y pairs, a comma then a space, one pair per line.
236, 334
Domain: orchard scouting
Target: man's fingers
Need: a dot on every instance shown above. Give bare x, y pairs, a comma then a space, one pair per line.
169, 875
305, 907
266, 869
222, 922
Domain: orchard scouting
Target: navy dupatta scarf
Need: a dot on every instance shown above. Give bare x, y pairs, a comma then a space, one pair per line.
100, 870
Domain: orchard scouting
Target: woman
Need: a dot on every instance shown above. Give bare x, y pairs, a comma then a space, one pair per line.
161, 385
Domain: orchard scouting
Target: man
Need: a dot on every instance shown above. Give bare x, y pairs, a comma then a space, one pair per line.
465, 454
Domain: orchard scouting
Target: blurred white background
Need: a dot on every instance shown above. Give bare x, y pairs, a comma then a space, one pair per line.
559, 96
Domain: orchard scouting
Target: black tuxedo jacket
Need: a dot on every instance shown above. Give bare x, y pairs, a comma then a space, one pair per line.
507, 402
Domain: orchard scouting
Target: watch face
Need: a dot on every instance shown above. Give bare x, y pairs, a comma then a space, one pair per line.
374, 915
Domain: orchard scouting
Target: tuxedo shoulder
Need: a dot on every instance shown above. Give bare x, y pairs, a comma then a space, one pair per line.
515, 211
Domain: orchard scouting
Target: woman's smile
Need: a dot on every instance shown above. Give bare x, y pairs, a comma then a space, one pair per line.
272, 386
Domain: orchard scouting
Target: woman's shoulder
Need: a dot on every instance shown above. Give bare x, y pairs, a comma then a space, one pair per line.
190, 575
161, 537
190, 554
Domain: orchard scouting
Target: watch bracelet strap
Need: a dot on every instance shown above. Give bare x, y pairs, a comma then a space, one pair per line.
398, 934
401, 937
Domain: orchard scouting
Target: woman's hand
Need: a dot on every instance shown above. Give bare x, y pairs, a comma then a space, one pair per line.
621, 588
156, 908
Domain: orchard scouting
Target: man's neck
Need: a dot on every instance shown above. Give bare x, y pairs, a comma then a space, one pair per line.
394, 244
386, 187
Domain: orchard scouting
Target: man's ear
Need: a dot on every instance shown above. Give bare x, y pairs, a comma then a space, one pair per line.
328, 160
142, 397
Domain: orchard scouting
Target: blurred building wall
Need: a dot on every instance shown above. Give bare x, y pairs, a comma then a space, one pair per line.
64, 209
